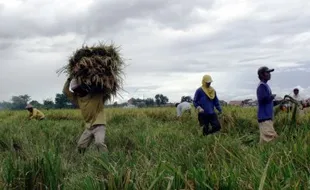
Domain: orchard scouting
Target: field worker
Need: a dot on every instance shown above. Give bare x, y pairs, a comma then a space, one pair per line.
297, 96
205, 100
302, 101
92, 110
34, 113
265, 106
182, 107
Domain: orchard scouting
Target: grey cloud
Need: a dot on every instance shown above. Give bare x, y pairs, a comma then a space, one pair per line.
244, 33
179, 66
173, 13
280, 78
5, 45
256, 58
1, 7
140, 88
14, 22
102, 16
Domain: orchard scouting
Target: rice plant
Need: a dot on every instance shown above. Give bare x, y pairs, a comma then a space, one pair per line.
150, 148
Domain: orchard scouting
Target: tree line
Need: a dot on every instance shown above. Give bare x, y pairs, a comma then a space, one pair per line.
21, 101
158, 100
62, 102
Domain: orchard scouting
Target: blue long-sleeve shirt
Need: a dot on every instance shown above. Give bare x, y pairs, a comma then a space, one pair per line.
202, 100
265, 102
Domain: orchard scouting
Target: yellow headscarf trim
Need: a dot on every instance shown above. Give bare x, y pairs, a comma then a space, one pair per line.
210, 92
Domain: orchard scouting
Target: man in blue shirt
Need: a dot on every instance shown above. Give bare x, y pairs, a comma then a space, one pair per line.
205, 100
265, 106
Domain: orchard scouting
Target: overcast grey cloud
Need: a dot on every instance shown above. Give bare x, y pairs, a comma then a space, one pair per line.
169, 45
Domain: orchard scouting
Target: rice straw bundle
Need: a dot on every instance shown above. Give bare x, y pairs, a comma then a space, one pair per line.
97, 69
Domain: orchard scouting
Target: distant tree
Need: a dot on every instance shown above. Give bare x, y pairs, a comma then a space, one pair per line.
157, 99
161, 99
164, 100
115, 104
137, 101
141, 104
149, 102
48, 104
20, 102
186, 99
5, 105
61, 101
35, 104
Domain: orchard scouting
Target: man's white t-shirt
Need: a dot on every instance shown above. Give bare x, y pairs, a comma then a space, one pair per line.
298, 97
183, 107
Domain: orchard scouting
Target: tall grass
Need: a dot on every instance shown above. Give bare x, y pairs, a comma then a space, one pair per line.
151, 149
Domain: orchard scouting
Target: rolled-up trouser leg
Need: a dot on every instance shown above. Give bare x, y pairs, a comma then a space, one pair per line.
267, 131
84, 140
99, 134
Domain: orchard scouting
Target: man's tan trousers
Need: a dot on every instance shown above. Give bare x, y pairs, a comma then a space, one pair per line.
95, 132
267, 132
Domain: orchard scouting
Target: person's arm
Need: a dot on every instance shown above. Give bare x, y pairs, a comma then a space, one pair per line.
33, 114
40, 114
263, 95
302, 99
30, 115
217, 104
68, 93
196, 100
179, 111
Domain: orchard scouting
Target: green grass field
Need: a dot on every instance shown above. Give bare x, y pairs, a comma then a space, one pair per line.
151, 149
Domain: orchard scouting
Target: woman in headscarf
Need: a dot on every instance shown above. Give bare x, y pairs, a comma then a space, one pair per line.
205, 100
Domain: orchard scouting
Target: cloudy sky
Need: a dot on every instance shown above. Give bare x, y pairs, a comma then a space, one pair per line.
168, 44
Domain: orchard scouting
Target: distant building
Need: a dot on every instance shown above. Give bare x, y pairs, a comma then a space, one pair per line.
168, 105
235, 103
223, 103
130, 106
249, 103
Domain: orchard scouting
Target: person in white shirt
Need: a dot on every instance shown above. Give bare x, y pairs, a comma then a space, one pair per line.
302, 102
297, 96
182, 107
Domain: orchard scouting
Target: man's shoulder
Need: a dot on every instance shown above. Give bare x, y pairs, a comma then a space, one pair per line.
262, 85
187, 103
183, 103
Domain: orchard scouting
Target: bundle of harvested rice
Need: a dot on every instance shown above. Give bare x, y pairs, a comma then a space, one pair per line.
97, 69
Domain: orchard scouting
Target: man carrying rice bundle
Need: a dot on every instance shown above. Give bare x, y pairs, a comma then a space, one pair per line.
94, 76
205, 100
